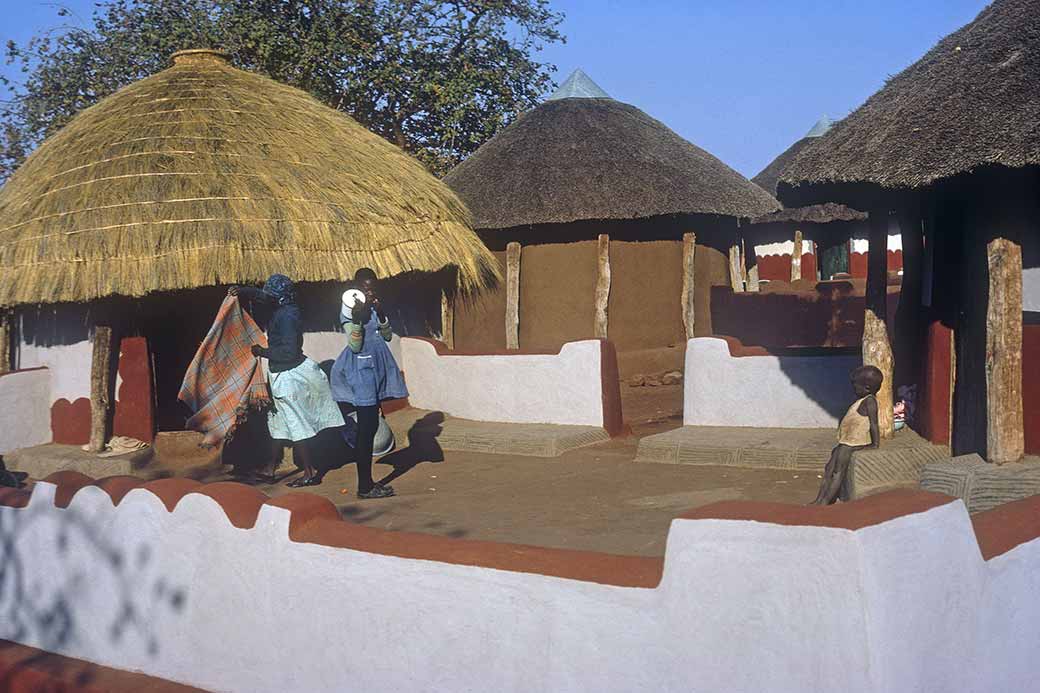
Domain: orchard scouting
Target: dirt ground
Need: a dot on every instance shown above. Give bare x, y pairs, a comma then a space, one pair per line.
594, 498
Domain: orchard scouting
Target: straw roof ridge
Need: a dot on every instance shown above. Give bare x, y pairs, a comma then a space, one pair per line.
574, 159
972, 101
165, 186
768, 178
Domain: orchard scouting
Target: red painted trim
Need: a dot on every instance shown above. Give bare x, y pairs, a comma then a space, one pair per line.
933, 412
28, 670
1003, 528
1031, 386
443, 350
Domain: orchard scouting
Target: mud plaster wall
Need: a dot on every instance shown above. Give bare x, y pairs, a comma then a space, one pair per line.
711, 268
645, 307
480, 321
975, 629
557, 292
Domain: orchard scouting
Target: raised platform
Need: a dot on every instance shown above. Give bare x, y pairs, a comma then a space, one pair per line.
897, 463
423, 428
43, 460
982, 485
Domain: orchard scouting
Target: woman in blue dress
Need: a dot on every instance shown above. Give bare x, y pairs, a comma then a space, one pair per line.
366, 374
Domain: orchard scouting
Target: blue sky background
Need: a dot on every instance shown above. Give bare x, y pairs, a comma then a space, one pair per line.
740, 78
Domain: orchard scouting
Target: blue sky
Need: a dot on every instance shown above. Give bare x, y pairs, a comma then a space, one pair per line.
740, 78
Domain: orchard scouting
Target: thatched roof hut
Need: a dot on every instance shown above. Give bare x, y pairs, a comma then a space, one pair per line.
970, 102
204, 174
952, 145
575, 158
600, 196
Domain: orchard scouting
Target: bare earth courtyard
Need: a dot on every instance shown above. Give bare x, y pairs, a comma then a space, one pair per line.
594, 498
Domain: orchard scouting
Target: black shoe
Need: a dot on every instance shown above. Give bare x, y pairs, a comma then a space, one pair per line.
377, 491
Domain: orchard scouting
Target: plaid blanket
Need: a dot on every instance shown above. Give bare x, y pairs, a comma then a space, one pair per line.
225, 381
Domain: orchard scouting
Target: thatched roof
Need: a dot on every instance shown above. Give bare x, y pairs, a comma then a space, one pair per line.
972, 101
574, 159
768, 177
204, 174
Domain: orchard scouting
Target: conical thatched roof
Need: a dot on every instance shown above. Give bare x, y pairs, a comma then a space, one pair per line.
204, 174
571, 159
972, 101
768, 178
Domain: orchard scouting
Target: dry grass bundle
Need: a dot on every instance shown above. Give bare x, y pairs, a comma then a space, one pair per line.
204, 174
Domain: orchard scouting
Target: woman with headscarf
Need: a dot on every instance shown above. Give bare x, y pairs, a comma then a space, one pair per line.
303, 404
366, 374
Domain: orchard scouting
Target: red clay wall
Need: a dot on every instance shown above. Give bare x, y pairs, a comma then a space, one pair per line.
778, 267
135, 401
645, 310
1031, 386
858, 263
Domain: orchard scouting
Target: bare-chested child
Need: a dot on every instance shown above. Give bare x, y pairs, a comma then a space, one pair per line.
858, 430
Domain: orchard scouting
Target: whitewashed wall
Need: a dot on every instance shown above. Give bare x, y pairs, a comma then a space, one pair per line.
763, 391
25, 412
564, 388
908, 605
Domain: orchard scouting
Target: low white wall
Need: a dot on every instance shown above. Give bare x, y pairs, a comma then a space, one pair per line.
907, 605
564, 388
25, 412
763, 391
327, 346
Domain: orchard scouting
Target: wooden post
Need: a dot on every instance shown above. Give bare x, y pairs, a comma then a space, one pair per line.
602, 286
1005, 440
5, 340
689, 312
796, 257
513, 295
100, 388
877, 351
751, 264
736, 280
447, 320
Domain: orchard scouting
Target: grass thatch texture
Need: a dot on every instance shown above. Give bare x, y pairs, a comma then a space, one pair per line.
972, 101
204, 174
592, 158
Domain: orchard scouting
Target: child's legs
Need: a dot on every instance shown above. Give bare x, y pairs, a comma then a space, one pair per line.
368, 425
304, 457
834, 474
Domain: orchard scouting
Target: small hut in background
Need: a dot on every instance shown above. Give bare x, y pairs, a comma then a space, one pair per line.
951, 146
121, 232
606, 224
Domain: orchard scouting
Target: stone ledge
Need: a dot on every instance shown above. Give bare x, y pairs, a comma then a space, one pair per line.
43, 460
982, 485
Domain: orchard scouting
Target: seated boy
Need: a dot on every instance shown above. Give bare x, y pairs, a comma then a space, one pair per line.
858, 429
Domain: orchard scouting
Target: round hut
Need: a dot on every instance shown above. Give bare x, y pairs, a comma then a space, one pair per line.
606, 223
951, 147
137, 214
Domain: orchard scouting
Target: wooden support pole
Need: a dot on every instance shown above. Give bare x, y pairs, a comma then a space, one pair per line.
736, 279
751, 265
447, 319
910, 332
6, 319
877, 351
1005, 441
101, 388
796, 257
602, 286
689, 311
513, 295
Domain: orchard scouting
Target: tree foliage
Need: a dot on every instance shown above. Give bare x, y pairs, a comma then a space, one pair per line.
436, 78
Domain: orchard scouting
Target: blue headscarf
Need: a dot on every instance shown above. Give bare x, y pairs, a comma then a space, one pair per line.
280, 287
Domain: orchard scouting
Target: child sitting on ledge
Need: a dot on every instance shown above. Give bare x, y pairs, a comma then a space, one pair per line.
858, 430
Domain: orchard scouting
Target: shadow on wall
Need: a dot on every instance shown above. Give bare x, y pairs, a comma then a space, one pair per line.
44, 616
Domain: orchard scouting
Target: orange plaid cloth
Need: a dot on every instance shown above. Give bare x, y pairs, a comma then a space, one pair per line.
225, 381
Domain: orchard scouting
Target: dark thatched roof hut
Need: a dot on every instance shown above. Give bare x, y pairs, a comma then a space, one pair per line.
599, 195
951, 145
205, 174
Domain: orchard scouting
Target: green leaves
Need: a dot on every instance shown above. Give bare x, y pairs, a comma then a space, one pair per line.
436, 78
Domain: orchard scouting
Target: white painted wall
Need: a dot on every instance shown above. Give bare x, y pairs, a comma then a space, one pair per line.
862, 245
763, 391
1031, 289
785, 248
25, 411
564, 388
908, 605
326, 346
